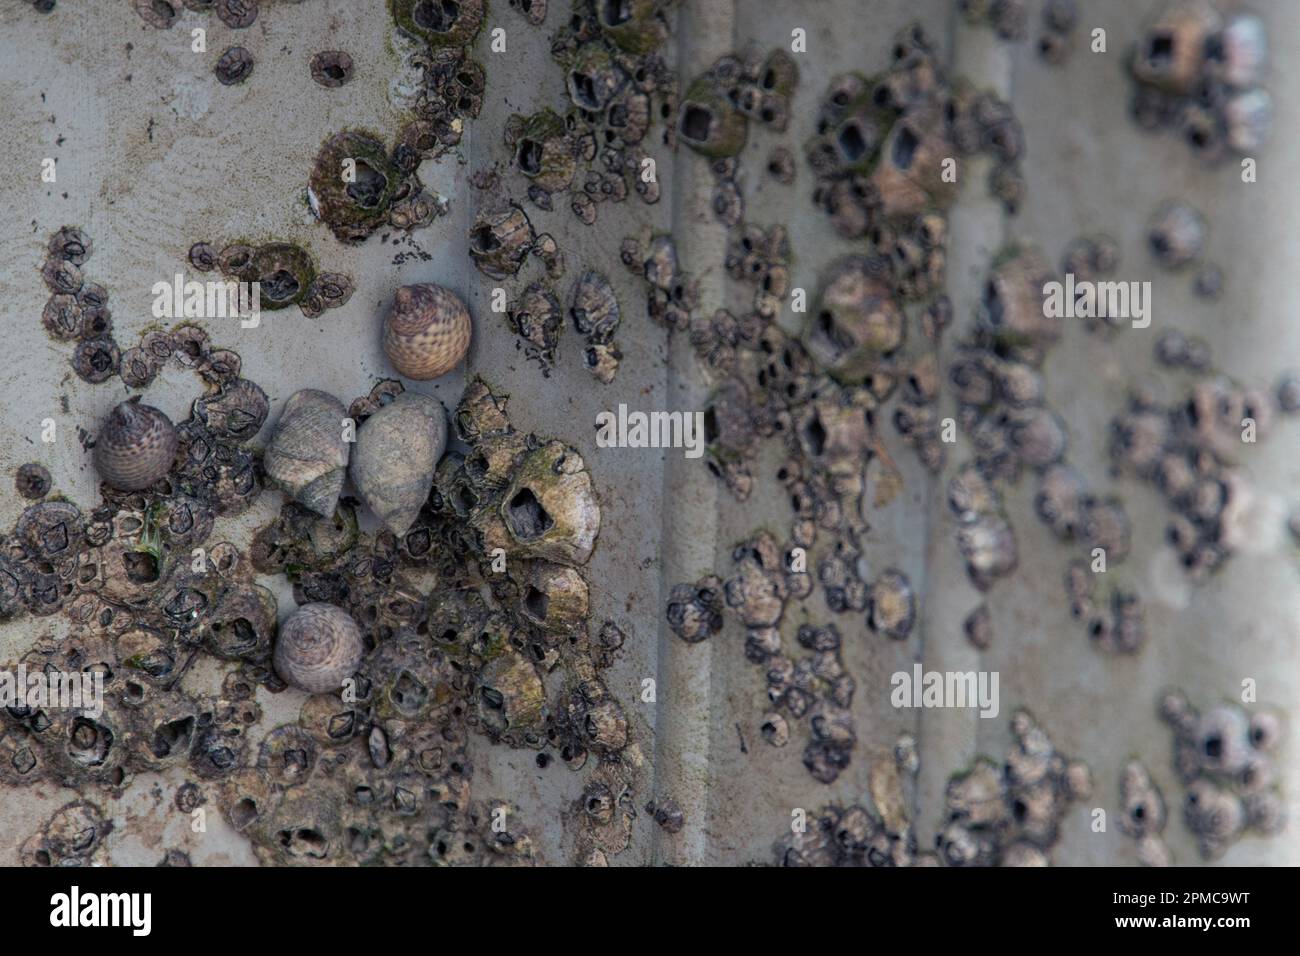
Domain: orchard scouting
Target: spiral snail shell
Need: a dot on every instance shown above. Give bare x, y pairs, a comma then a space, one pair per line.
319, 646
136, 446
427, 332
398, 448
308, 455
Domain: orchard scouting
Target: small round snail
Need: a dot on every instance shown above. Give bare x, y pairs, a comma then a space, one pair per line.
319, 647
136, 446
427, 332
308, 455
398, 448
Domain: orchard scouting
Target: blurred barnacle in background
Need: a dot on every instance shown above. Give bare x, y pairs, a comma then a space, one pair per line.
1186, 451
1225, 759
1142, 815
1198, 73
1012, 816
1007, 816
695, 610
1176, 234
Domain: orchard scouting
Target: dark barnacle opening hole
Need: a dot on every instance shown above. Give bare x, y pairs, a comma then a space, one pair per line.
615, 12
55, 538
697, 121
1160, 50
162, 8
526, 516
1159, 244
484, 239
710, 425
245, 635
141, 567
437, 15
853, 144
831, 331
537, 603
583, 86
905, 148
90, 742
492, 697
172, 737
369, 186
304, 842
815, 433
408, 694
1213, 746
282, 285
992, 302
529, 157
100, 359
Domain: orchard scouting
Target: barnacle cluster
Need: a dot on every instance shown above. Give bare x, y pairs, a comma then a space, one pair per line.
77, 310
1225, 759
617, 84
994, 815
375, 770
878, 835
1188, 451
357, 185
285, 272
474, 618
1198, 73
1010, 815
887, 145
1009, 19
596, 316
996, 377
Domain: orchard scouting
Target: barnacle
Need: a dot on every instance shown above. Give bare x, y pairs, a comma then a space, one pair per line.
500, 240
450, 23
353, 182
549, 509
856, 322
544, 153
284, 272
708, 122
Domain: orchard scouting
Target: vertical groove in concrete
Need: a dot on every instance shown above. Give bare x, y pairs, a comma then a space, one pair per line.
690, 515
948, 738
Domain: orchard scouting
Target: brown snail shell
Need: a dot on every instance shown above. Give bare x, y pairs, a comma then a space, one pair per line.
319, 647
427, 332
135, 447
308, 455
398, 448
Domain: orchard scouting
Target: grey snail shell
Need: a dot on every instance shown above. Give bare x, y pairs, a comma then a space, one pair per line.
398, 448
136, 446
427, 332
308, 455
319, 646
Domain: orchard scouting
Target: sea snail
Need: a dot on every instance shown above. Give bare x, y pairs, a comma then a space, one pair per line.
308, 454
319, 646
427, 332
398, 448
135, 447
